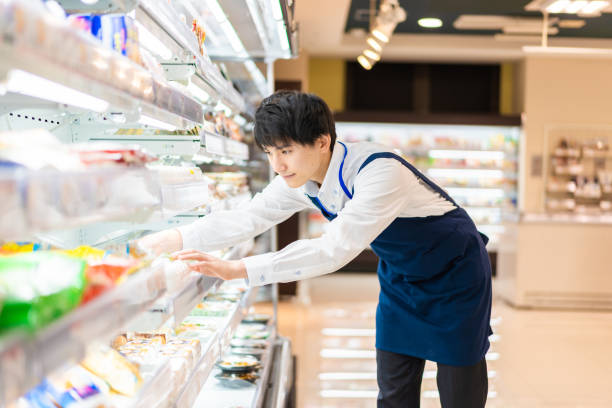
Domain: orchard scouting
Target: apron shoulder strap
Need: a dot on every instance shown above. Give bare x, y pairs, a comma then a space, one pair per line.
414, 170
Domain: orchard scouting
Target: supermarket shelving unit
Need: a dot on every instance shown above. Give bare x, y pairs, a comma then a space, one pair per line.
88, 93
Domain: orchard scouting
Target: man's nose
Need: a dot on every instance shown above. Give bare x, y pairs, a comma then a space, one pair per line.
278, 164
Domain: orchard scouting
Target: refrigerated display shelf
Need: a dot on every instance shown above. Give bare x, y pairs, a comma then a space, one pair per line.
149, 396
224, 147
44, 200
161, 18
568, 218
251, 396
213, 350
282, 381
180, 145
470, 172
489, 207
470, 190
266, 362
183, 296
105, 234
442, 152
467, 168
25, 359
180, 198
97, 78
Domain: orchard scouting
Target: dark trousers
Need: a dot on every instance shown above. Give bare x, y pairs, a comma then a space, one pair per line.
399, 382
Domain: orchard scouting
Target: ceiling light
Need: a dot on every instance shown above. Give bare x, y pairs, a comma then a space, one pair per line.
372, 42
28, 84
575, 6
518, 38
595, 7
380, 35
430, 22
571, 23
481, 22
364, 62
558, 6
372, 55
524, 29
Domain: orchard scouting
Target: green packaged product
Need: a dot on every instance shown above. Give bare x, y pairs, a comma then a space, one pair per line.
38, 287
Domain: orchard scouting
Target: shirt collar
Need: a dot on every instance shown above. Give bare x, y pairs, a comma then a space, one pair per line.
331, 176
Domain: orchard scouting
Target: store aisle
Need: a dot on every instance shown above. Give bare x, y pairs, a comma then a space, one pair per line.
537, 359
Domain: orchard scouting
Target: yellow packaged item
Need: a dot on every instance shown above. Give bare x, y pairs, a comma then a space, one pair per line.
119, 373
85, 252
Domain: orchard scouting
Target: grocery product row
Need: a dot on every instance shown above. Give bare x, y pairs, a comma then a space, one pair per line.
108, 68
56, 303
48, 185
580, 177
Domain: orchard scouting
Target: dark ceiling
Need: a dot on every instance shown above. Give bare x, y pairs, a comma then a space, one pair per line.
449, 10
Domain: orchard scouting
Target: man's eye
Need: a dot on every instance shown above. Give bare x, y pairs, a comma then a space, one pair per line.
286, 151
268, 153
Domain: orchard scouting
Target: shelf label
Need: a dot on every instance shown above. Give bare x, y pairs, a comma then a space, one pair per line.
215, 144
237, 149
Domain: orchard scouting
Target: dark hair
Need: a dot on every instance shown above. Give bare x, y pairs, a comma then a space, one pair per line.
291, 116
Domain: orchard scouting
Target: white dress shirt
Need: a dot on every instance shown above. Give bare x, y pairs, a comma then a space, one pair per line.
383, 190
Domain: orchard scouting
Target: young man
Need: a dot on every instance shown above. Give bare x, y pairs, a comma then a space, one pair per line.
434, 271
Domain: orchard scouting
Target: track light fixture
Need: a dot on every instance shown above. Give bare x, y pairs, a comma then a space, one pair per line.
389, 15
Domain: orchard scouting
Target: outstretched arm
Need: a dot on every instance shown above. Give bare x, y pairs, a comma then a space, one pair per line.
223, 229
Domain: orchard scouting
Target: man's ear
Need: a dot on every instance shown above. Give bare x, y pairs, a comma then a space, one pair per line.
323, 142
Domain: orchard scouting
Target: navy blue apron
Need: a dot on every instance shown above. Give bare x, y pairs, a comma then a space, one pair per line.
435, 282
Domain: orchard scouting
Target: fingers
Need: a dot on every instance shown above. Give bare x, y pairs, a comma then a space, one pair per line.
204, 268
191, 254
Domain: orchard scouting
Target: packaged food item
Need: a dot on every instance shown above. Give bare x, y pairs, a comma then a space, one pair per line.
119, 341
10, 248
200, 34
39, 287
85, 252
105, 274
238, 364
237, 380
260, 318
120, 374
214, 309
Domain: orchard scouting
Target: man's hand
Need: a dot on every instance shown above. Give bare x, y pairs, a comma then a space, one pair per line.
211, 266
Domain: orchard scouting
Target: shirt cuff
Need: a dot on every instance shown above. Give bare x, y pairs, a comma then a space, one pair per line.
189, 236
259, 269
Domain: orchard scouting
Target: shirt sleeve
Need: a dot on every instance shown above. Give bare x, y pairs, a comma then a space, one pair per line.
223, 229
380, 195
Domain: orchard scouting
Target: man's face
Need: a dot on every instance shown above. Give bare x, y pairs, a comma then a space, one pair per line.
298, 163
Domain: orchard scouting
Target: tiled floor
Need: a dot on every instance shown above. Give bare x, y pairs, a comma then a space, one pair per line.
537, 359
